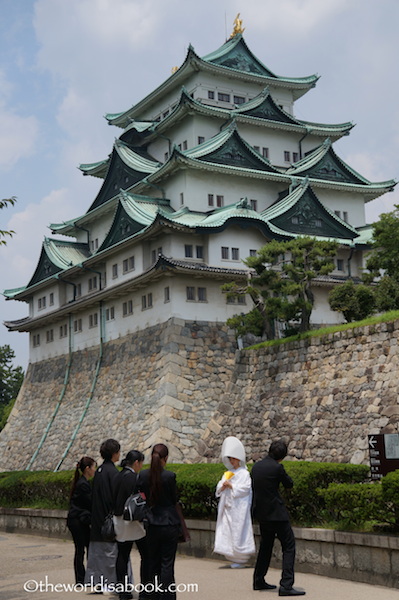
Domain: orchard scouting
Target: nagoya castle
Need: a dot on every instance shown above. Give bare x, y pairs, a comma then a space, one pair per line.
125, 310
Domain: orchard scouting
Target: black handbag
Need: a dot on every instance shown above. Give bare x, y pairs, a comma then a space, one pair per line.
135, 508
108, 529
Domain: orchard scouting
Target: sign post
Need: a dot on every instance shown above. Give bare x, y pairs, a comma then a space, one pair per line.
384, 454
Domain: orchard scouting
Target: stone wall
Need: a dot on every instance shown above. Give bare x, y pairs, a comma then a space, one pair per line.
324, 395
162, 384
184, 383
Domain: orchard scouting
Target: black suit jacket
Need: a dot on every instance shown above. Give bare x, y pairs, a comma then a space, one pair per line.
103, 496
125, 484
80, 505
164, 511
267, 504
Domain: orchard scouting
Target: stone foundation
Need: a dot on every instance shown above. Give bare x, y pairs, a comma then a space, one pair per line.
186, 384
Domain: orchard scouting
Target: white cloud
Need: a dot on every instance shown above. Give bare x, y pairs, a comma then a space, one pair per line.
18, 133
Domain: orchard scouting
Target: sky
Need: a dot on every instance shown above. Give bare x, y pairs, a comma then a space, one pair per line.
64, 64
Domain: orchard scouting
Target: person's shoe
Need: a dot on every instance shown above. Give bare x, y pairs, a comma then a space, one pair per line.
238, 566
264, 586
290, 592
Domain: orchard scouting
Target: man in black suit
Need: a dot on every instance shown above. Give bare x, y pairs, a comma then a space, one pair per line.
269, 509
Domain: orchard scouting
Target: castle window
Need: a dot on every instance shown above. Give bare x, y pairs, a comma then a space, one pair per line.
166, 294
110, 313
36, 340
340, 264
201, 294
114, 271
239, 99
166, 156
78, 290
181, 198
155, 254
211, 201
265, 152
49, 336
252, 252
92, 283
211, 95
128, 264
254, 204
287, 156
201, 139
41, 303
345, 216
295, 220
146, 301
127, 308
77, 325
199, 251
236, 300
93, 320
190, 292
51, 299
188, 251
219, 201
185, 145
295, 156
257, 148
63, 330
318, 223
165, 114
225, 253
338, 213
223, 97
235, 254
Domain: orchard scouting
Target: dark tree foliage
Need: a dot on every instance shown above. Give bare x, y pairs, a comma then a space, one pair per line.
3, 233
356, 302
281, 286
11, 379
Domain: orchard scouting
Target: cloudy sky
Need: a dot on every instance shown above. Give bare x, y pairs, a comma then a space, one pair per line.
64, 64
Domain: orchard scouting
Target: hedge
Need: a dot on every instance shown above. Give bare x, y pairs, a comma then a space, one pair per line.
196, 485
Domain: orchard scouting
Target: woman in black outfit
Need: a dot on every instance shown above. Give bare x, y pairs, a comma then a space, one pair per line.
163, 527
79, 514
129, 531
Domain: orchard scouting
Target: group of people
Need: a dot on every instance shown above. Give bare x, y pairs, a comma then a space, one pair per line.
108, 563
243, 495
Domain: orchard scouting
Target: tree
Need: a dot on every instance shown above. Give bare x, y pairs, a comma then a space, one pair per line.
281, 288
387, 294
11, 379
384, 256
356, 302
3, 204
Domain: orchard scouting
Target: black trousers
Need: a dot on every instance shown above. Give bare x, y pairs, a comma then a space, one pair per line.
269, 530
81, 538
124, 549
162, 546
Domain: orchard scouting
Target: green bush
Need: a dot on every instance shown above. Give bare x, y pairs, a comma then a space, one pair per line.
354, 504
390, 494
196, 485
305, 505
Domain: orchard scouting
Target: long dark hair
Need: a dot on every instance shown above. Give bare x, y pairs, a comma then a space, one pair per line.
159, 452
85, 461
131, 458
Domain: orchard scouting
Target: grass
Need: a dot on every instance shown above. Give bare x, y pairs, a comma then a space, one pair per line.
388, 317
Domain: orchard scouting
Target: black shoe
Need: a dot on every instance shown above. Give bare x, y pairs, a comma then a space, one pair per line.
290, 592
264, 586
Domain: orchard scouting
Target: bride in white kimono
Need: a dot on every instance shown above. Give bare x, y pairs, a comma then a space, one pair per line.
234, 534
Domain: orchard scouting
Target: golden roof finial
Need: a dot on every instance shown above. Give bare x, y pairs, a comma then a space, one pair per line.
174, 69
238, 28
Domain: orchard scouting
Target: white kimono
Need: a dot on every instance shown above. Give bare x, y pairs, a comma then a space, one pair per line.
234, 535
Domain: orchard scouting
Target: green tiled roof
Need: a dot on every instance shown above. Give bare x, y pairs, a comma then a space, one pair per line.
57, 255
233, 57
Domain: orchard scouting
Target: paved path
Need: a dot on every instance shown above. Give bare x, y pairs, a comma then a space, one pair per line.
28, 558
